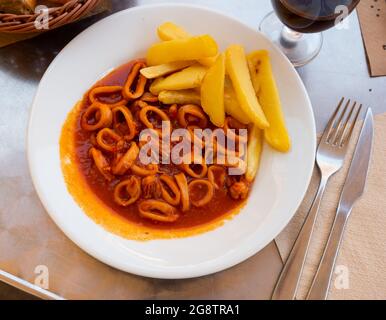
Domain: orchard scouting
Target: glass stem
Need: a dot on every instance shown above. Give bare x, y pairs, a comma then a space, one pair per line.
289, 38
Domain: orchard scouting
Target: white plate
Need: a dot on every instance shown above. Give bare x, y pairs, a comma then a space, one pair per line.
279, 187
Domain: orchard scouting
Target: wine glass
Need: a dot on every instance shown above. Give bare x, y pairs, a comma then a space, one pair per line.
295, 25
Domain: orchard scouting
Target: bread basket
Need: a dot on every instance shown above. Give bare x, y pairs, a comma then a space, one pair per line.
57, 16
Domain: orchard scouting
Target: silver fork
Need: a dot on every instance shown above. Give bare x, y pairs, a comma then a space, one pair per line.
329, 158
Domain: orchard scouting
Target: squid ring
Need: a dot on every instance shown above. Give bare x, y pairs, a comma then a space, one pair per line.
148, 170
149, 97
191, 113
101, 163
232, 162
193, 173
205, 187
230, 126
151, 187
183, 185
104, 137
106, 89
128, 119
173, 111
231, 159
141, 83
229, 155
217, 176
158, 211
96, 116
144, 117
140, 104
171, 194
127, 160
132, 189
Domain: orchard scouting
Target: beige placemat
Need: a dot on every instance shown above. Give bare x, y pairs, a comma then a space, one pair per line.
9, 38
372, 19
361, 266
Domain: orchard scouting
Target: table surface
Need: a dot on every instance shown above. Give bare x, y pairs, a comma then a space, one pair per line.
339, 70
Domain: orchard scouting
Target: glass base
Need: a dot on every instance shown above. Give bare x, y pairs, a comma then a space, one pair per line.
300, 48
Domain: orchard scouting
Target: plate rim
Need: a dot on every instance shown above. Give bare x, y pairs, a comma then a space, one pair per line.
153, 273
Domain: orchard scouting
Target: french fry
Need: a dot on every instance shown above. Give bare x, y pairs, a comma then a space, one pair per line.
180, 97
237, 68
165, 69
155, 88
254, 66
232, 106
192, 48
188, 78
255, 147
212, 92
170, 31
208, 62
266, 90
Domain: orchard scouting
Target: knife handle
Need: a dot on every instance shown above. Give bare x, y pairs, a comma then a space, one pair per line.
288, 282
322, 279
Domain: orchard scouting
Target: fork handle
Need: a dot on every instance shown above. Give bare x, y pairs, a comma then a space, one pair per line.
288, 282
321, 282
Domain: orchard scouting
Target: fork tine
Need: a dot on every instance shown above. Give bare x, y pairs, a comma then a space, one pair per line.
346, 136
340, 123
346, 125
331, 122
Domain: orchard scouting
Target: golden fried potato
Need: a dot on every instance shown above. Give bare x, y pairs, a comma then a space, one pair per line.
212, 92
192, 48
155, 88
232, 106
208, 62
188, 78
266, 90
170, 31
237, 68
255, 147
189, 96
165, 69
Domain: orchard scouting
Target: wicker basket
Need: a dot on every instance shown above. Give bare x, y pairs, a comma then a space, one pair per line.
58, 16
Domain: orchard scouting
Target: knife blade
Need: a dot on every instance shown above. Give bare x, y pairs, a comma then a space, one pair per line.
355, 182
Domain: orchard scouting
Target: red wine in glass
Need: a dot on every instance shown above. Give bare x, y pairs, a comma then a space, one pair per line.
295, 25
309, 16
